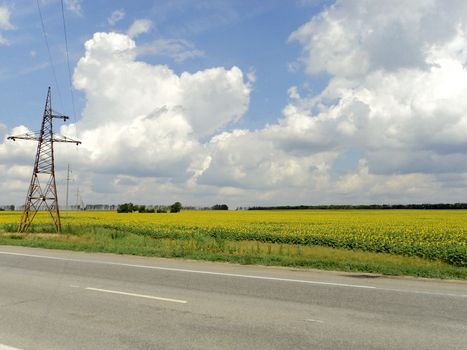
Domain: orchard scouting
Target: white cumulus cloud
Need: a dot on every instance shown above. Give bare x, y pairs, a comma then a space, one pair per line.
150, 118
357, 37
141, 120
397, 96
397, 92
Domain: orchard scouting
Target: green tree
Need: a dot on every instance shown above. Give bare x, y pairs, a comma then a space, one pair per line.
220, 207
125, 208
176, 207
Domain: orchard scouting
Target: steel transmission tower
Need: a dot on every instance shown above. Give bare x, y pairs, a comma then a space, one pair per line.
42, 197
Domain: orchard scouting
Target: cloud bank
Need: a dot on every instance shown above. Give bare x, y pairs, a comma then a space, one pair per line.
390, 126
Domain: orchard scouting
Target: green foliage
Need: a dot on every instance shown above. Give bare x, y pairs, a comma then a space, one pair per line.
7, 207
10, 227
176, 207
220, 207
130, 208
126, 208
200, 246
455, 255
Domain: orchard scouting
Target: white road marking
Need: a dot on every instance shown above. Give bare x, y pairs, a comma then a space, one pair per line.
236, 275
312, 320
424, 292
191, 271
136, 295
6, 347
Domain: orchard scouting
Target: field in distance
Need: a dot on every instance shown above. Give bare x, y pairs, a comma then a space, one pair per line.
429, 243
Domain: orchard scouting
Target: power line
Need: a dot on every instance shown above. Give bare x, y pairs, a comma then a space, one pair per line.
44, 33
68, 63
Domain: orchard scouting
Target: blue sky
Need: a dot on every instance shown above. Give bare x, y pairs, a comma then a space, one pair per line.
242, 102
252, 35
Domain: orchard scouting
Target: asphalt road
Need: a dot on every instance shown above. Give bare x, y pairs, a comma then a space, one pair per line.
68, 300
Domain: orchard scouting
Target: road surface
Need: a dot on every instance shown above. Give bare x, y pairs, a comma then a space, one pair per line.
70, 300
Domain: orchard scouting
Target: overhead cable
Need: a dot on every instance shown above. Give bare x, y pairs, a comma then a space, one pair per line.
50, 54
68, 62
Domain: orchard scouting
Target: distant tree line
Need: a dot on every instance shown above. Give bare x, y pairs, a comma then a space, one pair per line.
7, 207
174, 208
370, 206
130, 208
220, 207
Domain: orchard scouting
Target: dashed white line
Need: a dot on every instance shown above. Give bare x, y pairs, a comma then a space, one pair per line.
312, 320
136, 295
6, 347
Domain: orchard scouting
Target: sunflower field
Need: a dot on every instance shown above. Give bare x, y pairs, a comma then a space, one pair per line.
429, 234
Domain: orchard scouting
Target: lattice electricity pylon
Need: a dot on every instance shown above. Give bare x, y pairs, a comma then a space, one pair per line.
38, 197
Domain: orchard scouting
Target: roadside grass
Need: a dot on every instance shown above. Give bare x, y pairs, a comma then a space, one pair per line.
95, 238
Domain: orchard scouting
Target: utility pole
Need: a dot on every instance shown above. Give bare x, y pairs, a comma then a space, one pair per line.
43, 197
67, 186
77, 199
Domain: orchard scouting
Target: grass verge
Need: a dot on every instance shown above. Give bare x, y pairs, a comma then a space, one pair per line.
202, 247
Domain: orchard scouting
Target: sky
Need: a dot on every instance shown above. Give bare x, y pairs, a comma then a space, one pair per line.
244, 102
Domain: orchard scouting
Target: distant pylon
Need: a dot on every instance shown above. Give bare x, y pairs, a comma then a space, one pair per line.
38, 197
67, 186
